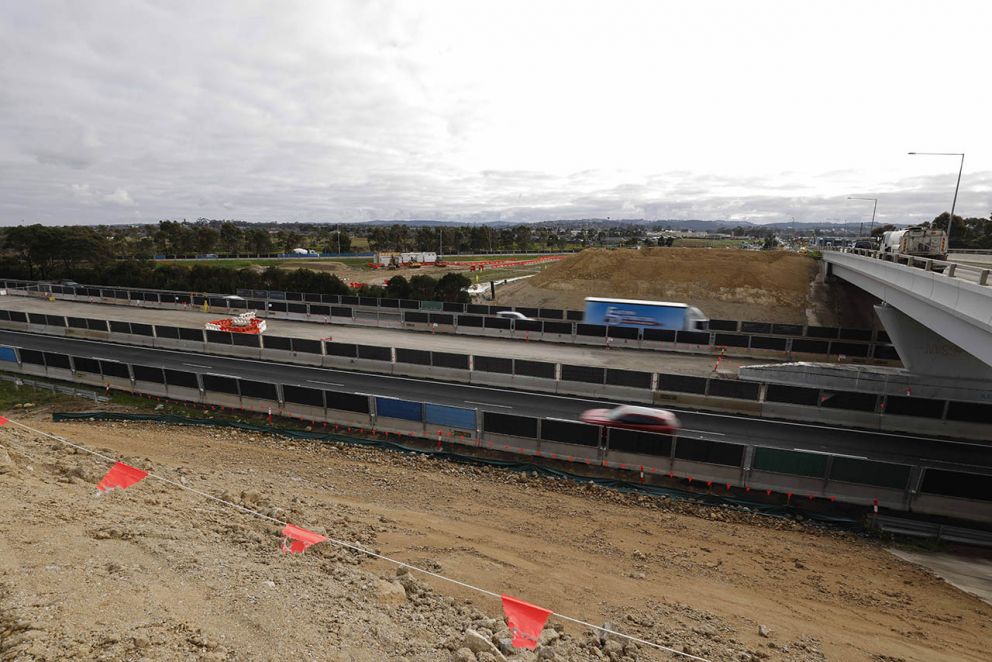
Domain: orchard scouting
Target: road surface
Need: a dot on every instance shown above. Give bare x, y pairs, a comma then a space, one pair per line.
893, 447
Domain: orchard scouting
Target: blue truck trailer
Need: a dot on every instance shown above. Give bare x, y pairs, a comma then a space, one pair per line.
644, 314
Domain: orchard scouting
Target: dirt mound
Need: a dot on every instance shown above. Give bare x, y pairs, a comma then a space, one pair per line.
769, 285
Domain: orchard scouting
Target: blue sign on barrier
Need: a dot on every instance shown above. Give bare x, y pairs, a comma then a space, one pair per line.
7, 354
452, 417
405, 409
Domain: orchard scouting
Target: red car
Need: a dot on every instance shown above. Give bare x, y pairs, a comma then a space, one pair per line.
633, 418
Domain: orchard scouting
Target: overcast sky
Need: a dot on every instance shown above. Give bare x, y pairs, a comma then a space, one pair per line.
344, 111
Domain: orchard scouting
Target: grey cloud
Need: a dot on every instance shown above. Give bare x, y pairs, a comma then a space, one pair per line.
116, 112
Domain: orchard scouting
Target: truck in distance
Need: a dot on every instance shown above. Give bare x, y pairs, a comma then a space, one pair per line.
917, 241
634, 313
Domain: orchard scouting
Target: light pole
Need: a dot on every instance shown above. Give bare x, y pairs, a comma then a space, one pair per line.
875, 200
950, 221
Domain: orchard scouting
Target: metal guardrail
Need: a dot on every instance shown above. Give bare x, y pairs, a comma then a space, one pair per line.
970, 251
933, 531
941, 267
55, 388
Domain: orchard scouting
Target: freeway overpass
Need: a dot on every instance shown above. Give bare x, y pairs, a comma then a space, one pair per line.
938, 314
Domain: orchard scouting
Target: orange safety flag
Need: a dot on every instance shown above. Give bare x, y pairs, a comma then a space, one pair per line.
525, 621
121, 476
4, 420
299, 539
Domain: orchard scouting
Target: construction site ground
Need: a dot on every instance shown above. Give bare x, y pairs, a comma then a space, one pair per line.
649, 360
158, 573
725, 283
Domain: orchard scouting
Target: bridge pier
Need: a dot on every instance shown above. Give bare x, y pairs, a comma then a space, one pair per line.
924, 352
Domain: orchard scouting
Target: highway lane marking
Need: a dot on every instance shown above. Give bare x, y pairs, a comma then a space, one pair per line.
522, 393
316, 381
220, 374
852, 457
370, 395
486, 404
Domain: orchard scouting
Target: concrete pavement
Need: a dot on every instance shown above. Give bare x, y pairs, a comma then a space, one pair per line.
630, 359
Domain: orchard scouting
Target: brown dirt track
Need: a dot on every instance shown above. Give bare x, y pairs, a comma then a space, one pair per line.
157, 573
724, 283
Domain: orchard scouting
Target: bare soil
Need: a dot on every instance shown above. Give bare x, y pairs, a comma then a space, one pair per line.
723, 283
158, 573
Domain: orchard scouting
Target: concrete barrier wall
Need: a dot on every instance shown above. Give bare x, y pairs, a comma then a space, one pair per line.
932, 504
118, 383
259, 405
399, 426
62, 374
150, 388
801, 485
559, 450
862, 419
306, 412
509, 443
660, 463
346, 418
183, 393
865, 495
225, 400
700, 471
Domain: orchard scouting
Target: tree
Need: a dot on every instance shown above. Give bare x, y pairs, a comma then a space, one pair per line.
290, 239
422, 287
259, 242
231, 237
206, 239
398, 288
332, 245
522, 237
450, 288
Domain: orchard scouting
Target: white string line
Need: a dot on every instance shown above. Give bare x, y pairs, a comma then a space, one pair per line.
362, 550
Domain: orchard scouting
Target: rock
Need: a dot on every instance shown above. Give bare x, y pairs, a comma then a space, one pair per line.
763, 631
505, 645
548, 637
603, 635
270, 583
545, 653
389, 593
613, 647
486, 656
476, 643
6, 463
463, 655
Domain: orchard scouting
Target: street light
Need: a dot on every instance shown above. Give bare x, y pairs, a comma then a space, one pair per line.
875, 200
950, 221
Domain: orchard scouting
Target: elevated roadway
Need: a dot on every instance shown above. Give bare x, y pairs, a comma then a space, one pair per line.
904, 448
938, 314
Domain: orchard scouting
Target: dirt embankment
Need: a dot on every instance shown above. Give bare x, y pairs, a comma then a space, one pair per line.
158, 573
724, 283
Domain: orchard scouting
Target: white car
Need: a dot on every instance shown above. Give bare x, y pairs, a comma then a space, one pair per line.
512, 315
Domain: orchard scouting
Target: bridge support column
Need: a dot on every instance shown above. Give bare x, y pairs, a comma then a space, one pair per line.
925, 352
